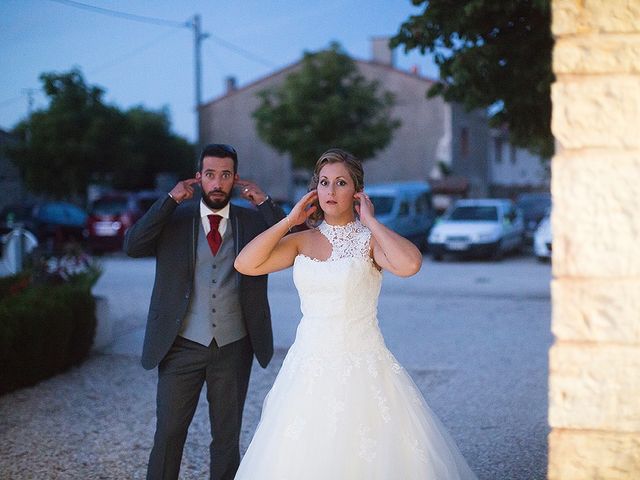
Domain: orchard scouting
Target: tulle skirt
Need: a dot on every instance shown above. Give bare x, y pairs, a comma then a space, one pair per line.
341, 414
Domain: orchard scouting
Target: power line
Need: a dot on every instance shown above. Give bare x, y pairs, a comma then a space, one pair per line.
131, 53
193, 24
158, 21
241, 51
99, 68
128, 16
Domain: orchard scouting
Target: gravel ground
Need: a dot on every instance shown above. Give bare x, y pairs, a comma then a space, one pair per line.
97, 422
473, 336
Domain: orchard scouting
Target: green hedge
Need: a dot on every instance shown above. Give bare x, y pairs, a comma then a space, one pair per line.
44, 330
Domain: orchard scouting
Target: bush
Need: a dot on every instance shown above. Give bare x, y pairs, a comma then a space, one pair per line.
47, 323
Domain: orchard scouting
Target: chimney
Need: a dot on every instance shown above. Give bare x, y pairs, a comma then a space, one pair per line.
381, 53
230, 83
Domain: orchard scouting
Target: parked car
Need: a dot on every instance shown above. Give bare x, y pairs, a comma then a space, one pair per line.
58, 222
112, 214
404, 207
534, 207
478, 227
542, 239
53, 223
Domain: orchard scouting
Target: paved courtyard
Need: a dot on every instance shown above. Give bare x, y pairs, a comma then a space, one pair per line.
473, 335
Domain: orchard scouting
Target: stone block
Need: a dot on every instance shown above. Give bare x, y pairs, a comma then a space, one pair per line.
594, 386
585, 16
596, 310
597, 111
597, 54
588, 455
595, 219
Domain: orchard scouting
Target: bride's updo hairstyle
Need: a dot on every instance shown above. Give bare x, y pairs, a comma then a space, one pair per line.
353, 166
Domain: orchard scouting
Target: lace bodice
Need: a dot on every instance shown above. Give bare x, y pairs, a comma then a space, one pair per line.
339, 296
350, 240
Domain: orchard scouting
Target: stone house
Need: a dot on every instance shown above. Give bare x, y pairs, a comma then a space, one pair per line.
513, 169
432, 132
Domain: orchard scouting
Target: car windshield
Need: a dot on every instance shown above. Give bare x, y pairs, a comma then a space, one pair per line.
382, 205
475, 213
109, 206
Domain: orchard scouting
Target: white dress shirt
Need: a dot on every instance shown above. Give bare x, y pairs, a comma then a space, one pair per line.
223, 212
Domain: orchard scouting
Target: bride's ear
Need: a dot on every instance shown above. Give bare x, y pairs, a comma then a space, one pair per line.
356, 207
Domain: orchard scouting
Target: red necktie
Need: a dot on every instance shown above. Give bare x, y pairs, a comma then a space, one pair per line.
213, 237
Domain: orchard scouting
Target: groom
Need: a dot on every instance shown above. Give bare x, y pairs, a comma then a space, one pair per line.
206, 320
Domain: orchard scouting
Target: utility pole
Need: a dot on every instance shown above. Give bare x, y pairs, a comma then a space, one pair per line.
29, 92
198, 37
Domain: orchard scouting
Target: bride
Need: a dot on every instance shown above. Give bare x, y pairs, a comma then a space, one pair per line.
342, 407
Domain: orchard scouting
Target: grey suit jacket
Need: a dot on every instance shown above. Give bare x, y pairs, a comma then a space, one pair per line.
169, 233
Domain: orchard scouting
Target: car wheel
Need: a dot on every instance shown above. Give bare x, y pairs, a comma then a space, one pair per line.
437, 257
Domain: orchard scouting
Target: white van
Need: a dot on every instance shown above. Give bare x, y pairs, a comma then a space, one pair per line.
404, 207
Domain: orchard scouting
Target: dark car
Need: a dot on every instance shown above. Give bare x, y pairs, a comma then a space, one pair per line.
112, 214
534, 206
53, 223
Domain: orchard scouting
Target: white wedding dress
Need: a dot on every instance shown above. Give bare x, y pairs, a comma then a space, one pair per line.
342, 407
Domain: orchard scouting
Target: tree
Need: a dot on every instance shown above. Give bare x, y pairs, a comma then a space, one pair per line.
151, 149
494, 55
327, 103
78, 138
61, 146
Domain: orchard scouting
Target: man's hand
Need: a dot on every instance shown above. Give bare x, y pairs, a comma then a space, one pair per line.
184, 190
250, 191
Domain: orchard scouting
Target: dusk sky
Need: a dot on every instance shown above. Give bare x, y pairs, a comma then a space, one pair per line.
149, 64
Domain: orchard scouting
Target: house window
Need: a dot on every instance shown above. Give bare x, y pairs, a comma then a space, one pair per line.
464, 142
514, 154
497, 142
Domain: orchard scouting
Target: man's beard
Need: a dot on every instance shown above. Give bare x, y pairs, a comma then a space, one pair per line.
218, 203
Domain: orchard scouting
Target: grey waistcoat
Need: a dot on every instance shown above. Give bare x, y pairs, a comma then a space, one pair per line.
214, 309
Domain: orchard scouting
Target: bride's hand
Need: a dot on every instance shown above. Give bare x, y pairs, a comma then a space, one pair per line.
305, 207
364, 208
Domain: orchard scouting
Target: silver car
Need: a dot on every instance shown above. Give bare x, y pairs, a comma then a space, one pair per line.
478, 227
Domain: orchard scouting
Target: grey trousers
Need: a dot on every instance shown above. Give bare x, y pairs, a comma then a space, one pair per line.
181, 374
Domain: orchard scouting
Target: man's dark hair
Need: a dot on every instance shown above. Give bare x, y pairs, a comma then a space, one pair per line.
219, 150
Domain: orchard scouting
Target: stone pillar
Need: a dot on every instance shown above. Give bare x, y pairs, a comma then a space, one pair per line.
594, 404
